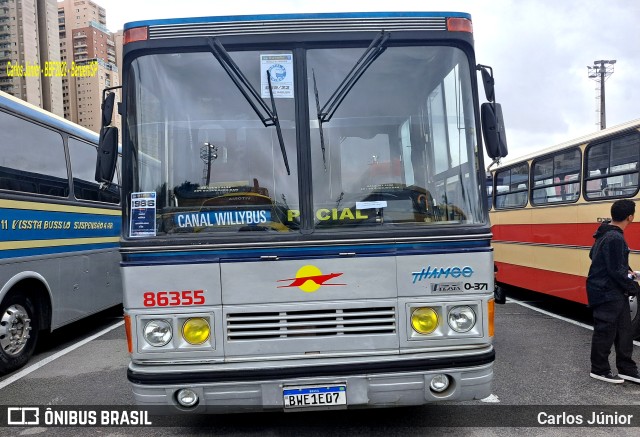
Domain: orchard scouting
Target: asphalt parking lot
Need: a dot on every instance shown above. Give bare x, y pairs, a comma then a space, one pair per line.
541, 371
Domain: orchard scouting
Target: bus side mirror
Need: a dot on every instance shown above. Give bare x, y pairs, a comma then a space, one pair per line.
495, 138
107, 154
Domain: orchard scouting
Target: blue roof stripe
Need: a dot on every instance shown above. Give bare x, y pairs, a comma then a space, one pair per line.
272, 17
43, 117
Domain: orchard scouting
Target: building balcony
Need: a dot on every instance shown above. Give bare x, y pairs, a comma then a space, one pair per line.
79, 36
81, 52
80, 44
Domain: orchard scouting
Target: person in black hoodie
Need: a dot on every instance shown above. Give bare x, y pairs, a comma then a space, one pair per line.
609, 284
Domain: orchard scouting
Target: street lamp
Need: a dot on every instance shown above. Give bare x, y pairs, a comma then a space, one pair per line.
600, 71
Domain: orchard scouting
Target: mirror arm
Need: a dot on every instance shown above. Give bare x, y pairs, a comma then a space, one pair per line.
496, 161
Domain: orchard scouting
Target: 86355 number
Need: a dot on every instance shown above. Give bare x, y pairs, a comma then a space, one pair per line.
173, 298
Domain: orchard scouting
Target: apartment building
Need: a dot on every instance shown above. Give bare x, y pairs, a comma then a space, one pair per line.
88, 49
29, 51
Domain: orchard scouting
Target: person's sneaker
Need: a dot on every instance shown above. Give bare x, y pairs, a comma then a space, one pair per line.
630, 376
609, 377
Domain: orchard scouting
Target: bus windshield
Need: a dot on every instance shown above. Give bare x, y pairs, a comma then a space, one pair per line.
397, 150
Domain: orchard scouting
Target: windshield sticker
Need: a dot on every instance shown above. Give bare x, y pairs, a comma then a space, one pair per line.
143, 215
280, 67
371, 205
221, 218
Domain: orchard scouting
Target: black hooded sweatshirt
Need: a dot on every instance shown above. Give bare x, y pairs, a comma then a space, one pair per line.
608, 278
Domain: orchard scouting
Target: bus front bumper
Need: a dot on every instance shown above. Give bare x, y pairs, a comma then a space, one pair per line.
386, 383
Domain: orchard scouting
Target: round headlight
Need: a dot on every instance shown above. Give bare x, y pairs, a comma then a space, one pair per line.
424, 320
462, 319
157, 332
196, 330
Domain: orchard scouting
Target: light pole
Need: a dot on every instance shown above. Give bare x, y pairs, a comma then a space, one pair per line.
600, 71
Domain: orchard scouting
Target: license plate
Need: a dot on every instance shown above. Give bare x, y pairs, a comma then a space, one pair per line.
304, 397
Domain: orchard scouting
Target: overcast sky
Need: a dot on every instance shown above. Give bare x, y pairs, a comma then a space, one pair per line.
539, 49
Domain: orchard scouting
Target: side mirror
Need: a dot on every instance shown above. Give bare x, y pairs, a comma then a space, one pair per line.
495, 138
107, 154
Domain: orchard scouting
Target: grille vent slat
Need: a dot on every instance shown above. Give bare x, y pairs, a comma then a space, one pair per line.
314, 323
297, 26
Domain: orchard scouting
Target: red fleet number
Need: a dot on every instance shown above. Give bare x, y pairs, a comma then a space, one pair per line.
173, 298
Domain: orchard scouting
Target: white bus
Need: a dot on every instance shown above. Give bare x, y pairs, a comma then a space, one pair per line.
59, 247
305, 224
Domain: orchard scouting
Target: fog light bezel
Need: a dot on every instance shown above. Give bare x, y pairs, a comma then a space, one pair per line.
196, 398
439, 376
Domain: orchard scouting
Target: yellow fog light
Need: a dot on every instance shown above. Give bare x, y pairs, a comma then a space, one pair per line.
424, 320
196, 330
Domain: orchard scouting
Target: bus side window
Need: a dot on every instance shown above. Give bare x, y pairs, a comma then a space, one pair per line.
33, 158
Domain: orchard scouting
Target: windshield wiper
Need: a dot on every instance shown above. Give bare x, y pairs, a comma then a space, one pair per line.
315, 93
375, 49
276, 121
249, 93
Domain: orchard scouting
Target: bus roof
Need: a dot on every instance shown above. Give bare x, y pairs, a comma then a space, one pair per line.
289, 17
633, 124
32, 112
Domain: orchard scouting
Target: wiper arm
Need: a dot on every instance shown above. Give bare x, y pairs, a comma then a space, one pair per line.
276, 121
249, 92
375, 49
315, 93
324, 114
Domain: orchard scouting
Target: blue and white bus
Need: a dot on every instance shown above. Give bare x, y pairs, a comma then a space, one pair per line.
305, 223
59, 230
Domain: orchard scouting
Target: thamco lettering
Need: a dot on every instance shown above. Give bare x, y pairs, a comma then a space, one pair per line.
442, 272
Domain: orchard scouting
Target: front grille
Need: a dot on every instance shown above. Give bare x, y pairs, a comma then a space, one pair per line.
311, 323
296, 26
